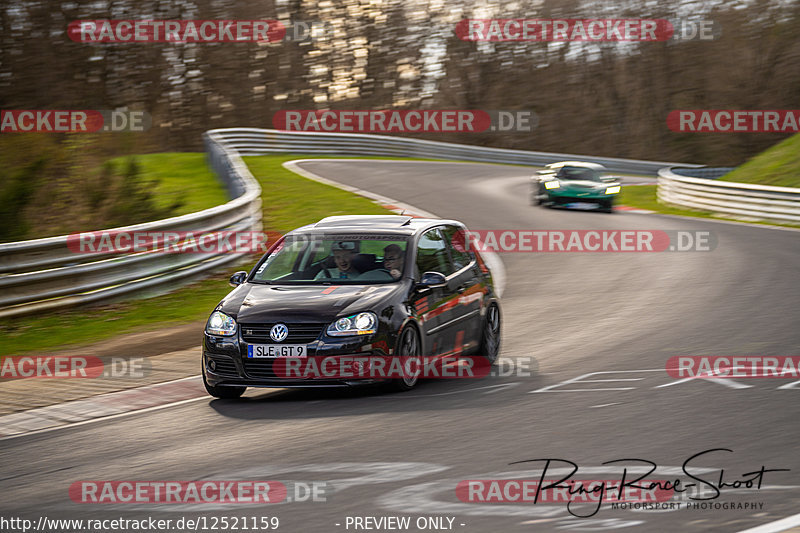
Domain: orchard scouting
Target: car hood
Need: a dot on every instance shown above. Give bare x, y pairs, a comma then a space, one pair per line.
256, 303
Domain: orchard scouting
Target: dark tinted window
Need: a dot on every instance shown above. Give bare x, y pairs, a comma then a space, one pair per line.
308, 258
456, 241
432, 253
578, 173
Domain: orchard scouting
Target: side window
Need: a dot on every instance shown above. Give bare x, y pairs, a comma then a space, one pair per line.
456, 241
432, 253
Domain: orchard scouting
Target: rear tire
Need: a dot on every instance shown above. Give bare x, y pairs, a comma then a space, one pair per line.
408, 345
226, 393
490, 343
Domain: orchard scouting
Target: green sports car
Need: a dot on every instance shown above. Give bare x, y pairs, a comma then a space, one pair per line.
573, 183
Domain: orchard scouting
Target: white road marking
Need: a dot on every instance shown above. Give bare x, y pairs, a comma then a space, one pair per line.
495, 387
603, 405
100, 407
610, 380
780, 525
109, 417
721, 381
294, 166
580, 379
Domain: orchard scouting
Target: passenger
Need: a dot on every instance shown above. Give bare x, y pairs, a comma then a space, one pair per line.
393, 260
343, 253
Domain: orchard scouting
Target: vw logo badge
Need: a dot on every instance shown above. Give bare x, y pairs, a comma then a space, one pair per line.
279, 332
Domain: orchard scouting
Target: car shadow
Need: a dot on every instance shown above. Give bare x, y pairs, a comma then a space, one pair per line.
433, 395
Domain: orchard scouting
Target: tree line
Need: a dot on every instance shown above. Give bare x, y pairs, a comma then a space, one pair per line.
609, 98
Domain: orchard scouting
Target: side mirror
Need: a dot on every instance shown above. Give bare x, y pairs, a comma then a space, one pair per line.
609, 179
430, 280
238, 278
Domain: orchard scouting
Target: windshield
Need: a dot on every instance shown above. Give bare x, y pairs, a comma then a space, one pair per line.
339, 259
579, 173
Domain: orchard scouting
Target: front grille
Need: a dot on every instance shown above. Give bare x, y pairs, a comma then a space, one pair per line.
259, 368
224, 366
563, 200
299, 333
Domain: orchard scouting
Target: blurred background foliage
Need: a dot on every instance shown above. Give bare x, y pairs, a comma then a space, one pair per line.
607, 99
51, 185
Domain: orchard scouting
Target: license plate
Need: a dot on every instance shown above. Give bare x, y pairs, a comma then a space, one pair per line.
586, 206
255, 351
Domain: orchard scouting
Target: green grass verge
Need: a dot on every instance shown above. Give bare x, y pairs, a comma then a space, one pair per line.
291, 201
183, 176
644, 197
288, 200
778, 165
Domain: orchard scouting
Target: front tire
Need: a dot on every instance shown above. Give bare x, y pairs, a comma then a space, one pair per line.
541, 198
535, 198
225, 393
408, 346
490, 344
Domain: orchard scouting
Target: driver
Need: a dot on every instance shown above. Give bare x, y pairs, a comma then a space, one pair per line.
393, 260
343, 253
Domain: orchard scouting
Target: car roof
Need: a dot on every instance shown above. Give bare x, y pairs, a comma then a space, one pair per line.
374, 224
585, 164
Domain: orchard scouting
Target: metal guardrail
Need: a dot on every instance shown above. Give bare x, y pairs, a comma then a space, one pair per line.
709, 173
255, 141
45, 274
761, 202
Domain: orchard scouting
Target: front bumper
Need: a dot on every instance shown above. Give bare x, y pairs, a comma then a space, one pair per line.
225, 362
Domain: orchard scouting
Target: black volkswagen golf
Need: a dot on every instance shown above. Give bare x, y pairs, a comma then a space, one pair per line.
383, 286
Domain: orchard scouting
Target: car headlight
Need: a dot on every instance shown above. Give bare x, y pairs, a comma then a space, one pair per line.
612, 190
220, 324
552, 184
360, 324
